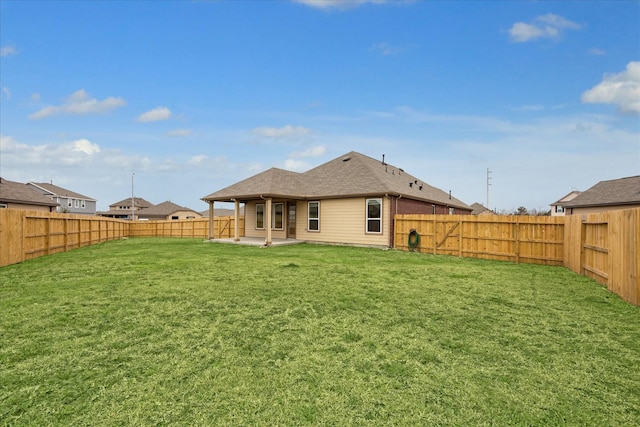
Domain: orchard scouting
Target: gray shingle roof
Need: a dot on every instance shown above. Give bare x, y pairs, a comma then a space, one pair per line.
61, 192
350, 175
17, 192
162, 210
139, 202
622, 191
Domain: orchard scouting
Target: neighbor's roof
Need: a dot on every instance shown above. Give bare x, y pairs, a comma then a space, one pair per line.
479, 208
623, 191
350, 175
17, 192
54, 190
140, 203
162, 210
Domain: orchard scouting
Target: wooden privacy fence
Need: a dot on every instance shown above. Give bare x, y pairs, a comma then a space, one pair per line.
606, 247
603, 246
222, 227
529, 239
30, 234
26, 234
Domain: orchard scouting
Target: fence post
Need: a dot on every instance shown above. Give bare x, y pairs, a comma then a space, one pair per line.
583, 237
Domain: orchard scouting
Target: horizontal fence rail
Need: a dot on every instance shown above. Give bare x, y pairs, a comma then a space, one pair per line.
223, 227
529, 239
29, 234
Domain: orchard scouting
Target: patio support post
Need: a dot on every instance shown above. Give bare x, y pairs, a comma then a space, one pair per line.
268, 241
236, 228
211, 219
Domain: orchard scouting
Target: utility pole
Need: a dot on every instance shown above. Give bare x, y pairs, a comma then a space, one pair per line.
488, 184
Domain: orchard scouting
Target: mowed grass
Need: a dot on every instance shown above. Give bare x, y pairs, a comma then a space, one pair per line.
182, 332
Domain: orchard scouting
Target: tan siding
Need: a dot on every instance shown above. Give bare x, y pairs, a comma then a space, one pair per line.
343, 221
598, 209
250, 229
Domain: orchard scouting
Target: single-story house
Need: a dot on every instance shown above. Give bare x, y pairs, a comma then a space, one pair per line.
167, 211
124, 209
480, 209
557, 208
622, 193
69, 201
16, 195
351, 200
221, 212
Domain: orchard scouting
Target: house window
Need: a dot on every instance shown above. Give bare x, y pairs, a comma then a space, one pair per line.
175, 218
83, 204
451, 211
374, 215
559, 209
69, 203
3, 206
278, 216
260, 216
77, 203
314, 216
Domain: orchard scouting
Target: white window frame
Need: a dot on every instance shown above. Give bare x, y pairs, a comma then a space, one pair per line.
263, 215
69, 203
367, 231
310, 218
273, 216
76, 203
83, 204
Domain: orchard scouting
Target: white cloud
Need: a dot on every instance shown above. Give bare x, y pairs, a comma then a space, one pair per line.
198, 160
296, 165
284, 132
80, 103
316, 151
155, 115
79, 152
544, 26
337, 4
621, 89
84, 146
179, 132
6, 92
596, 51
7, 50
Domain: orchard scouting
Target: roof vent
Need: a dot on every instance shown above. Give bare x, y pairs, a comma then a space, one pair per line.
346, 159
411, 184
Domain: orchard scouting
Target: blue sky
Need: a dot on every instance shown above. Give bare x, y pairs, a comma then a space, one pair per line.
193, 96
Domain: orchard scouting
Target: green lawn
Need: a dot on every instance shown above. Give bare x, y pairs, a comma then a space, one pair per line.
181, 332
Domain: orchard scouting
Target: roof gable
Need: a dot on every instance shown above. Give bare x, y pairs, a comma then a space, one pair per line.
623, 191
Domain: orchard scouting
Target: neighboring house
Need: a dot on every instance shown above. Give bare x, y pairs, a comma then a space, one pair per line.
352, 200
479, 209
167, 211
622, 193
125, 210
70, 202
221, 212
16, 195
557, 208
